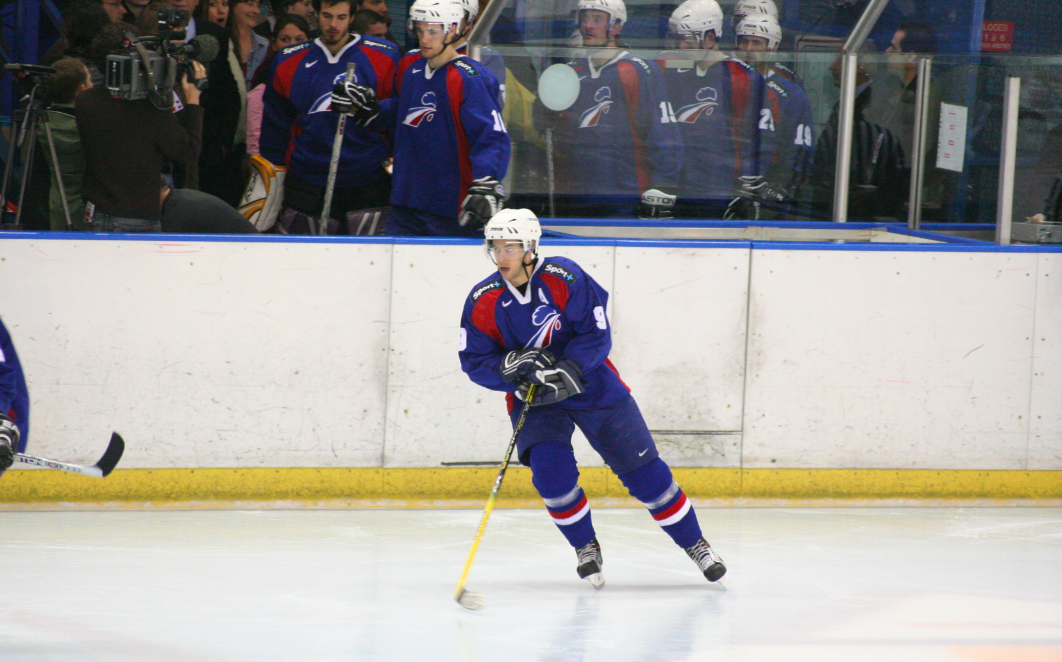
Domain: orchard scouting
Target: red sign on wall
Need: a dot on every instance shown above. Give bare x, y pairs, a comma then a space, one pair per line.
997, 36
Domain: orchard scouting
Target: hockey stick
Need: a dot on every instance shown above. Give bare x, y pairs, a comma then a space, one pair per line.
468, 599
333, 166
99, 470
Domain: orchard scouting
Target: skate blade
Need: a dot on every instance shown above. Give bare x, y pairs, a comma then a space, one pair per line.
597, 580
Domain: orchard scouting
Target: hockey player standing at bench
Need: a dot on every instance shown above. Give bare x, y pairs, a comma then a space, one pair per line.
543, 322
299, 126
451, 145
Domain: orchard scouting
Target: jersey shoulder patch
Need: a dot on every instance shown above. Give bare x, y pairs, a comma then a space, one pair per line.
562, 271
295, 48
483, 288
645, 66
382, 45
778, 88
465, 66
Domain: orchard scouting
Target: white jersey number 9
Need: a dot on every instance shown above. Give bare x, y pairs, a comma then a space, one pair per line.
599, 315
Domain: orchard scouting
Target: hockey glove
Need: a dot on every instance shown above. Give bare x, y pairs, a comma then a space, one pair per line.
518, 364
555, 384
657, 204
8, 443
484, 200
754, 191
357, 100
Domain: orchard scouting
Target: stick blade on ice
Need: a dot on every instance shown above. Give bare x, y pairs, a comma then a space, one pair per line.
470, 600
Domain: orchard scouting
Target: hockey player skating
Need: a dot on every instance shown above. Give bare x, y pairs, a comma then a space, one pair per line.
450, 143
622, 153
786, 125
716, 104
299, 125
14, 403
542, 322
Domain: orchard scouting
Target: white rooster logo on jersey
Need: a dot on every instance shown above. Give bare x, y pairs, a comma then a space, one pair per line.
591, 117
706, 103
422, 113
547, 319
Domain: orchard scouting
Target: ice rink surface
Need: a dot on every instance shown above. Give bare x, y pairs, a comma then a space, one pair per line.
908, 584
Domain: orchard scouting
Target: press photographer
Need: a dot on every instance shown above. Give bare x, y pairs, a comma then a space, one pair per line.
134, 126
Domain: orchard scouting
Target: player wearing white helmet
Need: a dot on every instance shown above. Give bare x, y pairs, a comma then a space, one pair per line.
622, 155
542, 322
786, 127
747, 8
451, 148
713, 100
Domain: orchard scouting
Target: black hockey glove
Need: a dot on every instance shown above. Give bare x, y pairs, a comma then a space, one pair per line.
518, 364
657, 203
357, 100
8, 443
484, 200
554, 384
754, 191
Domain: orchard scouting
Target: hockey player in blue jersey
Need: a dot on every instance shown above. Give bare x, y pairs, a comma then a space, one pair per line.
621, 153
715, 101
14, 403
786, 127
543, 322
299, 125
451, 148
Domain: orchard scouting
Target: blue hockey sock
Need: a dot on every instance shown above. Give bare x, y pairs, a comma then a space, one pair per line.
654, 486
556, 477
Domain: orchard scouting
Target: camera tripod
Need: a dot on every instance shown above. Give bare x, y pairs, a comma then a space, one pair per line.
27, 118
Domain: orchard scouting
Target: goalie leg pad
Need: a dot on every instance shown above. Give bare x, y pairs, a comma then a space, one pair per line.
264, 195
555, 475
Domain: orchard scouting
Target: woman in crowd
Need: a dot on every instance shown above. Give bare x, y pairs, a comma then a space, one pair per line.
215, 11
291, 29
250, 48
303, 8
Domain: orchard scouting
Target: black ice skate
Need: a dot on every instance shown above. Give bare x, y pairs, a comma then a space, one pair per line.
707, 560
590, 563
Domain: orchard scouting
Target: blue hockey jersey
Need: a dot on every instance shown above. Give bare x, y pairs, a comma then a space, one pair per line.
298, 125
448, 130
562, 309
14, 397
716, 109
787, 126
617, 140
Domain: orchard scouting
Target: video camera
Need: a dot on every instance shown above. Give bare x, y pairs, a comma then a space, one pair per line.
148, 67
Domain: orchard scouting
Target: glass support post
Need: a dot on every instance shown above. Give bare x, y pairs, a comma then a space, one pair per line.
918, 157
1007, 159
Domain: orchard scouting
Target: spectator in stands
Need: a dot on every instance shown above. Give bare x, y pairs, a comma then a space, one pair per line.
894, 101
133, 8
250, 48
878, 184
215, 11
189, 210
115, 10
71, 77
83, 20
126, 145
369, 23
291, 29
303, 8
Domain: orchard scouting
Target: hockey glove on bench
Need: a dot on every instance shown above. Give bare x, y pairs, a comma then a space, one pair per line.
358, 101
519, 364
554, 384
753, 192
484, 200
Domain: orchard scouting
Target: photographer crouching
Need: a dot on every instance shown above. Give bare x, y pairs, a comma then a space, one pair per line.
133, 127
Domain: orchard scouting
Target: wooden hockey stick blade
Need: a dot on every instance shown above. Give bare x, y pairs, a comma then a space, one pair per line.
99, 470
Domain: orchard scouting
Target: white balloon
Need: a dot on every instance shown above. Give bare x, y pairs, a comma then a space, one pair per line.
558, 87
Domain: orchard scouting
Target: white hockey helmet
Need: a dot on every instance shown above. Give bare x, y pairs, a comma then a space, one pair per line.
696, 17
761, 26
445, 12
471, 9
616, 10
513, 225
754, 8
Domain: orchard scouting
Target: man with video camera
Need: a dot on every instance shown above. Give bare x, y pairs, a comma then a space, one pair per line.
128, 141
